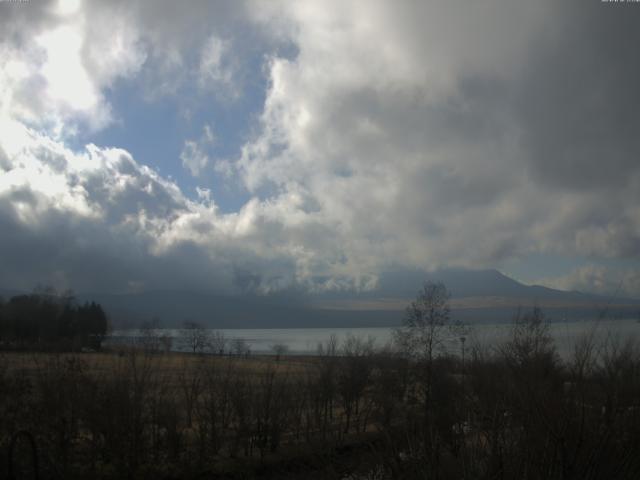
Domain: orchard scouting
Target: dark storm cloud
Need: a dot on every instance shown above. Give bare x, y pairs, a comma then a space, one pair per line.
68, 250
20, 22
577, 100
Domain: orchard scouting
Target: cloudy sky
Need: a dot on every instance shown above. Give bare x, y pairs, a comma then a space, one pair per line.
260, 146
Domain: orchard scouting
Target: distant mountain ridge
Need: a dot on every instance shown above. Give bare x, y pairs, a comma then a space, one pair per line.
477, 296
475, 283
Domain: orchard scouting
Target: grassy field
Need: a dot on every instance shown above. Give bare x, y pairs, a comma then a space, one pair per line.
172, 364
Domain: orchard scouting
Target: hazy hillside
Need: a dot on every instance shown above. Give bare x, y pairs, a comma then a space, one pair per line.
477, 296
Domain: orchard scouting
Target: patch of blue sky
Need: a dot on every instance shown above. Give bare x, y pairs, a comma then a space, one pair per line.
154, 132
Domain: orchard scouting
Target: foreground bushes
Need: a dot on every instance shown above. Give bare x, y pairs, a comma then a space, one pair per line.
516, 411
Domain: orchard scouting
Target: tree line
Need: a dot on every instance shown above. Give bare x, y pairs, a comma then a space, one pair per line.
46, 319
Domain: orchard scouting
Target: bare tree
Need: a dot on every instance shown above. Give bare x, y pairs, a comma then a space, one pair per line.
190, 381
150, 337
354, 375
279, 349
218, 343
195, 336
530, 339
325, 380
422, 332
240, 347
421, 336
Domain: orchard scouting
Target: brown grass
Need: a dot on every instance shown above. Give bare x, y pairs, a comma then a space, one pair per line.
171, 364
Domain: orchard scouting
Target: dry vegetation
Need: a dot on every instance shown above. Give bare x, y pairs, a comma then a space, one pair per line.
513, 412
350, 412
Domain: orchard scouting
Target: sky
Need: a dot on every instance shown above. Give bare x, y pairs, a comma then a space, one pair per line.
267, 146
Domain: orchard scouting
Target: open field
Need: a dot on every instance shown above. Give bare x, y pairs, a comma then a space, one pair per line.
173, 364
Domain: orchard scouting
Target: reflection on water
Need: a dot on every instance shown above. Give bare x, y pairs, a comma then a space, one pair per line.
305, 340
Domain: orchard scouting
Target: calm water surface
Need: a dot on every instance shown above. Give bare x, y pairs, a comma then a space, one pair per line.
305, 340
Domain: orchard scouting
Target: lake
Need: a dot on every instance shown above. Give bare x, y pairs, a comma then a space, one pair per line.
300, 341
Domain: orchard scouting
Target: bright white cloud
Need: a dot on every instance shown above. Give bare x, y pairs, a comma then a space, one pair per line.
67, 80
193, 158
216, 69
55, 71
67, 7
194, 154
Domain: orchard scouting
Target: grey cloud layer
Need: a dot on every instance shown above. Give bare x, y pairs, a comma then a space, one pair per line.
423, 136
499, 134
